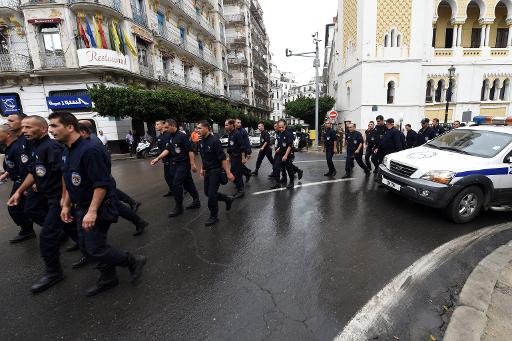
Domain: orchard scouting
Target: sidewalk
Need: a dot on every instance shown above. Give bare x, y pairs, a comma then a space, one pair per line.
484, 310
118, 157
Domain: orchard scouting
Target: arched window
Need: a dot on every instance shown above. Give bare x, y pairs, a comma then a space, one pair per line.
505, 89
393, 35
440, 91
399, 40
428, 94
493, 95
386, 40
485, 86
391, 92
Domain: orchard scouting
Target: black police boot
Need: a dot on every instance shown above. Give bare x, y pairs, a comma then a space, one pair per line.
248, 177
211, 221
229, 203
103, 283
328, 174
334, 173
177, 211
135, 206
300, 173
276, 185
291, 185
80, 263
347, 176
239, 194
47, 281
271, 176
140, 227
195, 204
73, 248
22, 237
136, 265
168, 194
255, 172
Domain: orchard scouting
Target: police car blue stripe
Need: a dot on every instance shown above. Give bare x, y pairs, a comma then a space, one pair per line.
490, 171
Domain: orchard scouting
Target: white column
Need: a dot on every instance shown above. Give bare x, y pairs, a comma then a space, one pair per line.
459, 36
487, 35
482, 36
454, 38
509, 40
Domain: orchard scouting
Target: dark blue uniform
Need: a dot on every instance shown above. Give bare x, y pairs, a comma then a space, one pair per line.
85, 168
236, 146
438, 130
371, 138
266, 152
179, 168
410, 139
392, 142
46, 168
248, 151
377, 158
330, 138
285, 141
424, 135
212, 157
16, 163
353, 141
161, 141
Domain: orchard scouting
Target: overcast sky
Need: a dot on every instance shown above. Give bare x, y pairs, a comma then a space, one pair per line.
290, 24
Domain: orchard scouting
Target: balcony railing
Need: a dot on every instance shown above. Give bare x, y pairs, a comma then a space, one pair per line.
194, 84
169, 35
10, 5
241, 41
50, 60
209, 88
139, 15
175, 78
235, 18
37, 2
14, 63
240, 82
146, 70
240, 97
237, 61
113, 4
191, 12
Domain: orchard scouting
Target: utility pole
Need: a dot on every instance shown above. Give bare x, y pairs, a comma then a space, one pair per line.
316, 65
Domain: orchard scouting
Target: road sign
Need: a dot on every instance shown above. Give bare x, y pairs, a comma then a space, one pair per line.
333, 115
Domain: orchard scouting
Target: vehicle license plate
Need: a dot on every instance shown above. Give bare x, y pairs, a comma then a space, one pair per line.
391, 184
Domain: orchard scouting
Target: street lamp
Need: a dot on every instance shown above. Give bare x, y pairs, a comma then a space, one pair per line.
316, 65
449, 92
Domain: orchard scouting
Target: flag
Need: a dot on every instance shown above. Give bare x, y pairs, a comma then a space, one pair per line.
116, 37
97, 33
89, 32
102, 34
129, 44
82, 32
121, 39
111, 38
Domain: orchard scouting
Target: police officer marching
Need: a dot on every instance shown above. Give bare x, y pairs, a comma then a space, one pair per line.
215, 170
425, 134
182, 161
46, 175
330, 143
284, 156
16, 170
248, 149
437, 128
236, 151
355, 143
369, 141
380, 130
88, 199
411, 137
161, 141
392, 140
265, 149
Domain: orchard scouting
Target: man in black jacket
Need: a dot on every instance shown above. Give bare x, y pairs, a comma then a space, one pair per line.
391, 141
425, 134
410, 139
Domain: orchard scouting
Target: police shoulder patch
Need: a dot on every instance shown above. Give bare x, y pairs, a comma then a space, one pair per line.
24, 158
76, 179
40, 170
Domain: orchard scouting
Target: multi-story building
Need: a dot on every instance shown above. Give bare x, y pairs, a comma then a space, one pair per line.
282, 84
306, 90
52, 50
248, 54
392, 57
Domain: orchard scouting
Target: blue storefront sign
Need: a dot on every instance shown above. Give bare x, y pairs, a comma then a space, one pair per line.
68, 102
9, 105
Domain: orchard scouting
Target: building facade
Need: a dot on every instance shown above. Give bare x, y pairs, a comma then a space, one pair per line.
392, 58
51, 51
248, 53
282, 84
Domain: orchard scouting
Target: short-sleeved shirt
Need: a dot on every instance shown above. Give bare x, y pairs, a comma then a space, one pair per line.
247, 141
265, 137
85, 168
353, 140
371, 137
161, 142
211, 151
330, 138
286, 141
179, 147
236, 143
46, 166
17, 160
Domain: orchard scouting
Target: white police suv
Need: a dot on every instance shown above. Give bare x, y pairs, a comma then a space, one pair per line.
463, 171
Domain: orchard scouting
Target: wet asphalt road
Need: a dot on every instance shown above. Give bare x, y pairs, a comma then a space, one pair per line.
290, 265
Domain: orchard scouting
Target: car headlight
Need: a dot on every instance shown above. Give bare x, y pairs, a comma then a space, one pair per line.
442, 177
385, 161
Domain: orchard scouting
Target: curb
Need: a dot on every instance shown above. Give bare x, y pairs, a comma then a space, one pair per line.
470, 317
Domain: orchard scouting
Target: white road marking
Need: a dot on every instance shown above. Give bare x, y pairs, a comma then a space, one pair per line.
376, 311
304, 185
312, 161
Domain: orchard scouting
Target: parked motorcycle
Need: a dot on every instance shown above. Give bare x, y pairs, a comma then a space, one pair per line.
145, 150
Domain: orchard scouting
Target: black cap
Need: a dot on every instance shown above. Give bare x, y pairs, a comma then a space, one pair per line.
425, 121
390, 120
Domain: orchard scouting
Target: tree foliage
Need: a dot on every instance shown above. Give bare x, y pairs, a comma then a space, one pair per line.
177, 103
304, 108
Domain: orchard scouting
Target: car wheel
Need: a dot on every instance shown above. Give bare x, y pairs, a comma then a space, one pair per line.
466, 205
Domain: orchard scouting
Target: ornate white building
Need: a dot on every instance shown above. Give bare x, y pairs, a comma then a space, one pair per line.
391, 57
282, 84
